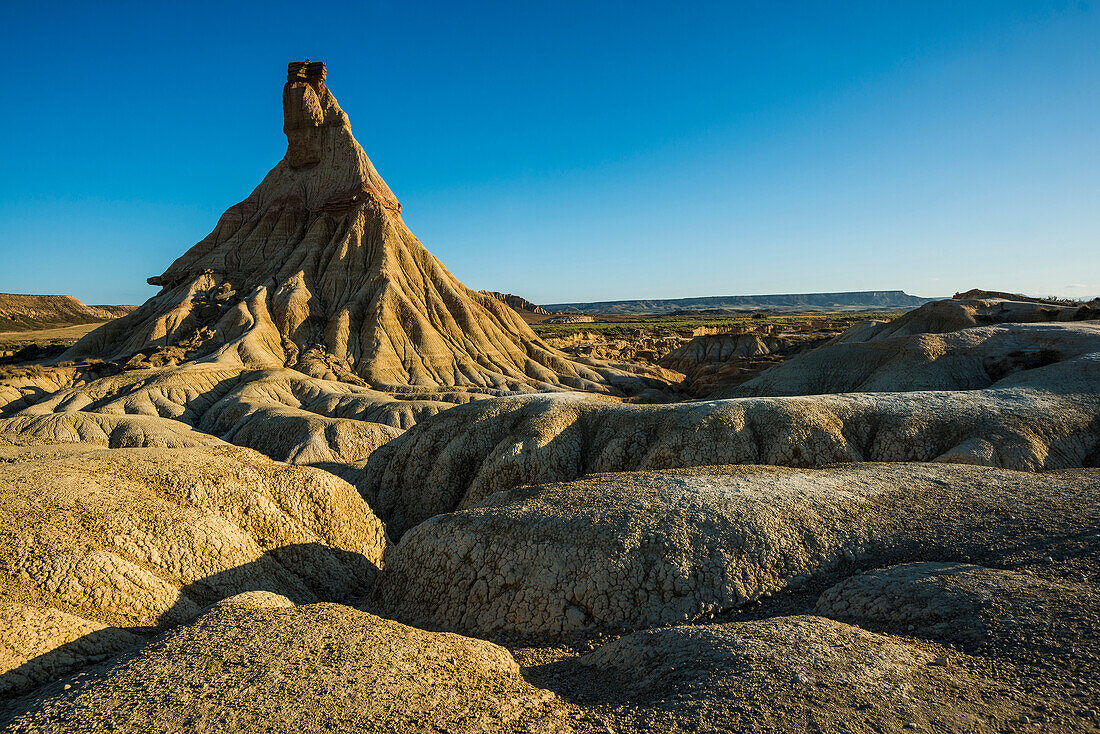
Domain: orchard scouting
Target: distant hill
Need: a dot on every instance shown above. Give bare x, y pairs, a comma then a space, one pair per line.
21, 312
979, 294
785, 302
519, 303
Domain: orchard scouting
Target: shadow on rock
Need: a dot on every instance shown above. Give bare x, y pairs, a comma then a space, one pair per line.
62, 643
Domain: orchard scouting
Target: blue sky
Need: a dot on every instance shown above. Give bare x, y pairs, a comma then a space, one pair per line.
576, 150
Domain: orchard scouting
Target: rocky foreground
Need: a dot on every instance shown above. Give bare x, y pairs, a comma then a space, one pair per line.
919, 554
316, 484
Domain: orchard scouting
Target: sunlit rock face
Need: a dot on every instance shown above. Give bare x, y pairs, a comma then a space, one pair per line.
102, 547
316, 270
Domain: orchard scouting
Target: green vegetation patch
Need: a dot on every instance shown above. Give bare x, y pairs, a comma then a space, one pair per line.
612, 327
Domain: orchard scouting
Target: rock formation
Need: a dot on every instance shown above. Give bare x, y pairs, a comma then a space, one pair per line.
145, 538
429, 459
1022, 392
710, 348
944, 345
968, 359
635, 550
637, 348
259, 663
101, 429
316, 270
980, 609
714, 362
310, 325
982, 294
939, 317
517, 302
796, 674
1045, 421
40, 644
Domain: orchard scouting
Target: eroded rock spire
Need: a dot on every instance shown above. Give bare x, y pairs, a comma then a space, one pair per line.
316, 270
307, 106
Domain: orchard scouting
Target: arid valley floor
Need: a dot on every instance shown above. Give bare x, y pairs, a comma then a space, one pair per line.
317, 484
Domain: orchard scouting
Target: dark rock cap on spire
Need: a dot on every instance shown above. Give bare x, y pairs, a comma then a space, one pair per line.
312, 72
296, 71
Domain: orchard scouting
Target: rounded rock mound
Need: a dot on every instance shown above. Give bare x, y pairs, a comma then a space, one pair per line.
151, 536
968, 359
978, 607
464, 454
93, 541
633, 550
39, 644
788, 674
314, 668
620, 551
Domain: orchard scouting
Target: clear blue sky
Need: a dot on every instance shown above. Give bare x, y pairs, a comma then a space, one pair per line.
578, 150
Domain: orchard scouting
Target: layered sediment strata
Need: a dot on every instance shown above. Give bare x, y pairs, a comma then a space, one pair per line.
317, 271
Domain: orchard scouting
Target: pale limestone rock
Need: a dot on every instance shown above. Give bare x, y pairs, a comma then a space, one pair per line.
1040, 419
252, 600
282, 413
114, 431
953, 314
631, 550
966, 359
150, 536
711, 348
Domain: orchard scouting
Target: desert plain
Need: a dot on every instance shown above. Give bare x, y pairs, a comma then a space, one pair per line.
318, 484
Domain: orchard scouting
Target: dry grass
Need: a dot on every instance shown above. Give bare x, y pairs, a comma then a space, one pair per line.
59, 336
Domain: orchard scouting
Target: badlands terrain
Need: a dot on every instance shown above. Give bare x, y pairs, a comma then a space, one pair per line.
316, 483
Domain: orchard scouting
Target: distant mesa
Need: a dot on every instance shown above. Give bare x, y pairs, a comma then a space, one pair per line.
316, 271
887, 300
